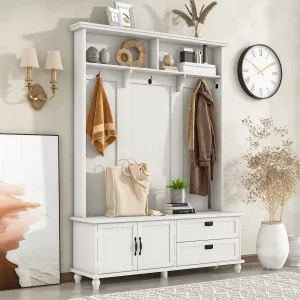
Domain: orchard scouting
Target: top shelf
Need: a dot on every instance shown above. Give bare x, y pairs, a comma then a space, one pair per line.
145, 35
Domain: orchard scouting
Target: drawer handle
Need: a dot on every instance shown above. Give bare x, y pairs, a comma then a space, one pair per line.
209, 223
135, 246
141, 246
209, 247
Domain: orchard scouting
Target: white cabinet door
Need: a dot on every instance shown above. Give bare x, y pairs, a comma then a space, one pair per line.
156, 241
116, 248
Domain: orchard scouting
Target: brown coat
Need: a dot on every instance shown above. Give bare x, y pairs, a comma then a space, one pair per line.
201, 140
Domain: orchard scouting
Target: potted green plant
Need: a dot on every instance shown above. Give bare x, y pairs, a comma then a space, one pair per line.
178, 190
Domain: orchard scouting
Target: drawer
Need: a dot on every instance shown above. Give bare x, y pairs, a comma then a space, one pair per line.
204, 252
207, 229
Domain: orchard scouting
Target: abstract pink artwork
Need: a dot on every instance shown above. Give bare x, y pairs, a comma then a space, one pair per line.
29, 211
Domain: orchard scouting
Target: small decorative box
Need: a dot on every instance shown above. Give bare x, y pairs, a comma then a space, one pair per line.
187, 56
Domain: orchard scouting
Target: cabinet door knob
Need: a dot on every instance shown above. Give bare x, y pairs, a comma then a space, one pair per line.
209, 223
141, 246
209, 247
135, 246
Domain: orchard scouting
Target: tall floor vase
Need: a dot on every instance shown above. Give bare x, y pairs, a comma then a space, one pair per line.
272, 245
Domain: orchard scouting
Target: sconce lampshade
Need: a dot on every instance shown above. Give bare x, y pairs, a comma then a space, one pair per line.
29, 58
53, 60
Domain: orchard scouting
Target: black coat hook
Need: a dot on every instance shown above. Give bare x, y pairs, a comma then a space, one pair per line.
216, 85
150, 80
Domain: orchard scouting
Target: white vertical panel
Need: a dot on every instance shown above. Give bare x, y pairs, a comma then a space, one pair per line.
177, 136
217, 186
150, 135
154, 54
79, 123
85, 247
95, 165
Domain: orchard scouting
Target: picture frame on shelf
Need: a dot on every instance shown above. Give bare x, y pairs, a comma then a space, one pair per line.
113, 16
127, 14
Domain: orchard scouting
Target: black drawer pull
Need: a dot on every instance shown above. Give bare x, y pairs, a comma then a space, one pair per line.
209, 247
141, 246
135, 246
209, 223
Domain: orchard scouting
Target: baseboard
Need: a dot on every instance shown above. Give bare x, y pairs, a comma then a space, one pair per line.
69, 277
252, 258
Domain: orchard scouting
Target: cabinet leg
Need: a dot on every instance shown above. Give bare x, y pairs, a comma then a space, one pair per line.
96, 284
238, 268
164, 274
77, 278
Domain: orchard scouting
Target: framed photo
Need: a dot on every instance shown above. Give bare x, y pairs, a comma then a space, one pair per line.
127, 14
113, 16
29, 211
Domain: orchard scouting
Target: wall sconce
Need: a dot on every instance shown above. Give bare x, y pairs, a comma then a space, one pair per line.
36, 95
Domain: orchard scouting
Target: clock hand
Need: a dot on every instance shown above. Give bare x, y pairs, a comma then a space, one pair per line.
267, 67
259, 71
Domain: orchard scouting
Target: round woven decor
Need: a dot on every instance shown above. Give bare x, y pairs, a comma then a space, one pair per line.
124, 57
142, 52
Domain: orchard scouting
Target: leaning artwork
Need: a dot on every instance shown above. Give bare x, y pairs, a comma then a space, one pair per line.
29, 211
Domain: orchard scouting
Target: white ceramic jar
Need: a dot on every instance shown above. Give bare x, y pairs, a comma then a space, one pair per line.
272, 245
294, 254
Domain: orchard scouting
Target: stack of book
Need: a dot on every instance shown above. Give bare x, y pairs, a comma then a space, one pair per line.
179, 208
168, 68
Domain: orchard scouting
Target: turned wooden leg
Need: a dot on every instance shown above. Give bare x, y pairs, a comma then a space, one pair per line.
96, 284
77, 278
238, 268
164, 274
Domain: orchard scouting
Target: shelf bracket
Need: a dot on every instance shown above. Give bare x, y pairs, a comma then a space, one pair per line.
127, 75
180, 82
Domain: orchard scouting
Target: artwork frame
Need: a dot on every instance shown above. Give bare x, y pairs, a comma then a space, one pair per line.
113, 16
127, 10
33, 260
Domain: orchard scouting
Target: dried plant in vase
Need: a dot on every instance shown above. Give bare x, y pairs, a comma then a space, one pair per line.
274, 170
271, 181
194, 19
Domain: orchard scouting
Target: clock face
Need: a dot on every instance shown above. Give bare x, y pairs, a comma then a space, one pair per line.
260, 72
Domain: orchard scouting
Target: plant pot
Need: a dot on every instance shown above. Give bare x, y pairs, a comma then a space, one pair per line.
294, 253
178, 196
272, 245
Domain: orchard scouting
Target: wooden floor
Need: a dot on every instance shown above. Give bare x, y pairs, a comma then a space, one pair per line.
110, 285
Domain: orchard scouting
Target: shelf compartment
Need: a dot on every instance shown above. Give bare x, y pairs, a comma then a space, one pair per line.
181, 76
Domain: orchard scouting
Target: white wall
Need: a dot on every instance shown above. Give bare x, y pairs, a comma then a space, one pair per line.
44, 24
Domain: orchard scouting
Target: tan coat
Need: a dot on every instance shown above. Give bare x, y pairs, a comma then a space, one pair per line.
201, 140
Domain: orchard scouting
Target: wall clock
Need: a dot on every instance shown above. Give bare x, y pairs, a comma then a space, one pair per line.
260, 72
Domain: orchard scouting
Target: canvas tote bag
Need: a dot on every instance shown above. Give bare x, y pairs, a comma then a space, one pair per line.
121, 198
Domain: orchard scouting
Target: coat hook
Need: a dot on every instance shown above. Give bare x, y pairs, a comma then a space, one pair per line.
150, 80
98, 74
216, 85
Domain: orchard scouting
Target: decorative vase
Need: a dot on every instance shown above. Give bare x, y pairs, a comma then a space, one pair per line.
272, 245
92, 55
104, 56
168, 60
198, 30
178, 196
294, 254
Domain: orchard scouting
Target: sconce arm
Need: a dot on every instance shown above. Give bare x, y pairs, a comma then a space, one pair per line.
41, 97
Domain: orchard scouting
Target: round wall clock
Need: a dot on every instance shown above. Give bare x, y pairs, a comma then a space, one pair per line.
260, 72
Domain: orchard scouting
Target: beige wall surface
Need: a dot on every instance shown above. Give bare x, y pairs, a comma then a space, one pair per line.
44, 24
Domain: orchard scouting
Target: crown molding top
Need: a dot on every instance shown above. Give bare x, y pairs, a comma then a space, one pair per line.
145, 35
